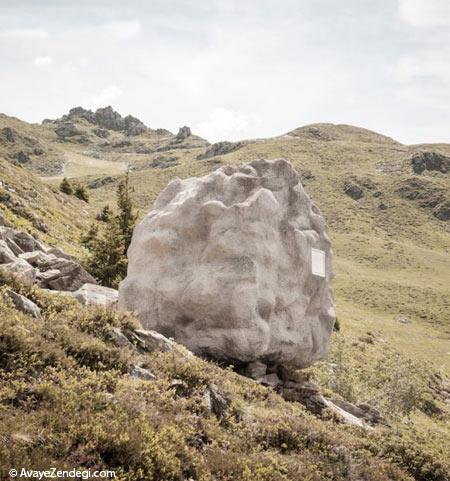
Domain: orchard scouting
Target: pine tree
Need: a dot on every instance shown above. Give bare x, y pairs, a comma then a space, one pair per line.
108, 239
81, 193
126, 216
66, 187
106, 261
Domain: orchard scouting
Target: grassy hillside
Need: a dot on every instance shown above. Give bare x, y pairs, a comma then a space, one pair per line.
30, 205
391, 247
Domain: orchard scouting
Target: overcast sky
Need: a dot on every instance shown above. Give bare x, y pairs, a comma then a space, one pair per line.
233, 69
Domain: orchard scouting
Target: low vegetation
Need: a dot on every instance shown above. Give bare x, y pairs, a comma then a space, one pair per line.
163, 430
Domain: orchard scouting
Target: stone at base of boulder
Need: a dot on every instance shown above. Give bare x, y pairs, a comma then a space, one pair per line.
256, 370
295, 385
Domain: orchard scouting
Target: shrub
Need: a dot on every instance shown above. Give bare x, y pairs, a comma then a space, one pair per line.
66, 187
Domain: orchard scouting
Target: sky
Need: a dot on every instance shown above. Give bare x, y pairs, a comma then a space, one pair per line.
233, 69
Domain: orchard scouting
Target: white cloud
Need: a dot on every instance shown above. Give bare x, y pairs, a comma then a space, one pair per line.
104, 97
25, 33
425, 64
45, 60
122, 29
224, 124
425, 13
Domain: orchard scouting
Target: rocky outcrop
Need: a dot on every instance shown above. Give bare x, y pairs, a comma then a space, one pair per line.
30, 261
66, 129
427, 194
220, 148
422, 161
355, 187
235, 265
183, 133
104, 119
442, 211
109, 119
133, 126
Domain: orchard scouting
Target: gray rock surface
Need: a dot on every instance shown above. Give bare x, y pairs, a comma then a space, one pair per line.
92, 294
422, 161
21, 270
66, 129
224, 265
184, 133
138, 372
25, 305
6, 254
220, 148
50, 267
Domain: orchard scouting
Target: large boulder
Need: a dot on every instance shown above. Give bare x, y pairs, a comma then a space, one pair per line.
235, 265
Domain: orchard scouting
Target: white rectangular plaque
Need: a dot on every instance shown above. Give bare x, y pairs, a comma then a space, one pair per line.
318, 262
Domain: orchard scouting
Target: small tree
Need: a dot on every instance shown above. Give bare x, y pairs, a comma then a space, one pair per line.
66, 187
105, 214
81, 192
126, 216
106, 261
108, 242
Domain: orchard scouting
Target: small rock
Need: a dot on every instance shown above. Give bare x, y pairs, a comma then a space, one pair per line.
9, 134
91, 294
403, 320
66, 129
57, 252
101, 132
353, 190
271, 380
256, 370
346, 417
442, 211
141, 373
27, 242
24, 304
152, 341
21, 270
119, 339
72, 275
215, 402
6, 254
14, 247
37, 258
291, 374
